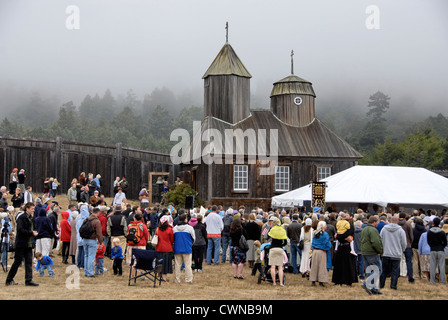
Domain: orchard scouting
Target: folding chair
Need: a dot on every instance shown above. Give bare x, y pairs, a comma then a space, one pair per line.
146, 263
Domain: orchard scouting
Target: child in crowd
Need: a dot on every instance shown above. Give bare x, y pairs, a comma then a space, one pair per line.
44, 263
342, 226
257, 262
99, 258
116, 254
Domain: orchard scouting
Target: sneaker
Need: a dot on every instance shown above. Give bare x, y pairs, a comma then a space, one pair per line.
31, 283
200, 270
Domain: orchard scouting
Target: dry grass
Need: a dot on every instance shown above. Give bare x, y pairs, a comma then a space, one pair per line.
216, 283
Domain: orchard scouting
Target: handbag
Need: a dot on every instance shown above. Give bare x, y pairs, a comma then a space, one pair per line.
301, 244
244, 246
155, 239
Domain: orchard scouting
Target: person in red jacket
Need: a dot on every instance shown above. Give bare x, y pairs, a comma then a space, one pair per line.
99, 258
66, 234
103, 219
141, 231
165, 244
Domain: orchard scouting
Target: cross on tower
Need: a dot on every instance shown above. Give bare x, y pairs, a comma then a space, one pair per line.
292, 62
227, 32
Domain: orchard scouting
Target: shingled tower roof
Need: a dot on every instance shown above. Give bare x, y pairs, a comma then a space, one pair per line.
227, 63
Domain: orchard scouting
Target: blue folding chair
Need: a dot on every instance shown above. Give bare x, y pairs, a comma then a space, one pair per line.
145, 263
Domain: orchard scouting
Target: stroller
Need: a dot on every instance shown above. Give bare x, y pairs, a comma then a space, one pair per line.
266, 274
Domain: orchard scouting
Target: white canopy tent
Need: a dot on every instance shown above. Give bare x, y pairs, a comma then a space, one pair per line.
403, 186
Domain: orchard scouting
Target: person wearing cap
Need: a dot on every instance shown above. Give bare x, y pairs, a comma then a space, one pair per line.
437, 241
306, 236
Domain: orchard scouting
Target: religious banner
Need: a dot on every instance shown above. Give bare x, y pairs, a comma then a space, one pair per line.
318, 194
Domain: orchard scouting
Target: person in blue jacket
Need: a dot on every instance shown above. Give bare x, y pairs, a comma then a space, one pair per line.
184, 237
321, 257
44, 263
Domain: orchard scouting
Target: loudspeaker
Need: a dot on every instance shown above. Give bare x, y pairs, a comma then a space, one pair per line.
189, 202
307, 205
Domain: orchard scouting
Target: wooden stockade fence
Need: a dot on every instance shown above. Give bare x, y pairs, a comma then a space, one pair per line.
65, 160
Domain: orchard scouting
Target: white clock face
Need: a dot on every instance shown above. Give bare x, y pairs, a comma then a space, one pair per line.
298, 101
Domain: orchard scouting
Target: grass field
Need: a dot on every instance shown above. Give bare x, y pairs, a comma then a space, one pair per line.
216, 283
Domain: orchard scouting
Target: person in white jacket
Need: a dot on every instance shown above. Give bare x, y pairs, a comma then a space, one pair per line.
394, 244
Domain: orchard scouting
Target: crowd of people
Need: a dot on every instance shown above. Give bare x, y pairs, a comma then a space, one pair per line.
352, 245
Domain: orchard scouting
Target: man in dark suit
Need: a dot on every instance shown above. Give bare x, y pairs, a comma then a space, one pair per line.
24, 246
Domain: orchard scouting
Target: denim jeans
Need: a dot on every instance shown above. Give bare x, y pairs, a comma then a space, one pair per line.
294, 253
99, 266
225, 246
80, 260
216, 244
360, 266
409, 267
373, 261
392, 267
106, 242
5, 247
90, 247
48, 267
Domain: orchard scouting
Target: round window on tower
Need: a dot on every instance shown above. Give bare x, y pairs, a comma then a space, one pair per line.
298, 101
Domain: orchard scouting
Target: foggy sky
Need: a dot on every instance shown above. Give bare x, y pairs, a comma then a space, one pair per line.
148, 44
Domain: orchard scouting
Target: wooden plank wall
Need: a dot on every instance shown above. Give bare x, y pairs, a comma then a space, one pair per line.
285, 109
66, 160
227, 97
261, 187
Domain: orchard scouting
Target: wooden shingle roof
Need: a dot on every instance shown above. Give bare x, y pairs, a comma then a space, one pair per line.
292, 84
313, 141
227, 63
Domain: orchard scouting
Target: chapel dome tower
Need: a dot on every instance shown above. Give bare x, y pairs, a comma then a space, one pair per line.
292, 100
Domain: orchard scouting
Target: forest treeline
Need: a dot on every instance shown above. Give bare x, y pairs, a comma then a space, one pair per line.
380, 135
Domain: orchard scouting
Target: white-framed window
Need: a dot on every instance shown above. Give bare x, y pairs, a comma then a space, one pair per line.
323, 172
240, 177
281, 178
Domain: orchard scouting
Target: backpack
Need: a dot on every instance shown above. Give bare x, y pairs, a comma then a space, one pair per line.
86, 229
135, 233
227, 222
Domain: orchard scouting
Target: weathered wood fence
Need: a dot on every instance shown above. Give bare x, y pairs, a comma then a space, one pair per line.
65, 160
